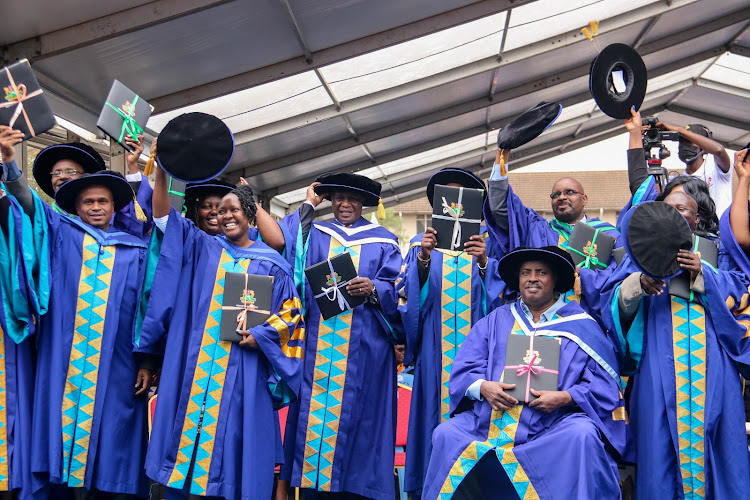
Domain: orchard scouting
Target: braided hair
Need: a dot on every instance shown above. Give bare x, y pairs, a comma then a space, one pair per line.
247, 202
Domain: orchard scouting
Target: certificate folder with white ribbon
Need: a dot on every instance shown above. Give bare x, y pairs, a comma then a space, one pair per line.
456, 215
328, 280
246, 304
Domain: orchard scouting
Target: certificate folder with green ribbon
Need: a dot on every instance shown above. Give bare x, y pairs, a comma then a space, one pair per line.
708, 252
124, 114
246, 304
22, 103
590, 247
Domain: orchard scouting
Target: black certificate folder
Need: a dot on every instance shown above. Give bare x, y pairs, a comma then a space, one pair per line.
22, 103
246, 304
456, 215
124, 114
328, 280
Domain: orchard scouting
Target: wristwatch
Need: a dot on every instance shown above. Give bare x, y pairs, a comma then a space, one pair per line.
373, 297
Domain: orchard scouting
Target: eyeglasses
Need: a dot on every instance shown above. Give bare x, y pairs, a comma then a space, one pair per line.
68, 171
567, 192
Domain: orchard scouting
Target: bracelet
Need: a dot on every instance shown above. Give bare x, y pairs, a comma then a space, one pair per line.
485, 265
424, 261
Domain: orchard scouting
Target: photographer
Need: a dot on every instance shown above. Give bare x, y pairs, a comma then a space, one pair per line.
644, 187
705, 159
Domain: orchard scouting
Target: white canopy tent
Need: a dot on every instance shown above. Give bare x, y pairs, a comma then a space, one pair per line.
393, 90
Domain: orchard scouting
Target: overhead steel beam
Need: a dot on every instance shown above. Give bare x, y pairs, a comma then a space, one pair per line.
452, 112
97, 30
518, 158
478, 67
723, 87
702, 115
331, 55
297, 30
739, 50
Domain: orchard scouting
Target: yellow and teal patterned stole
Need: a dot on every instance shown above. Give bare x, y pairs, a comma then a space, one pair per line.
689, 344
500, 438
206, 390
332, 353
83, 368
4, 481
455, 303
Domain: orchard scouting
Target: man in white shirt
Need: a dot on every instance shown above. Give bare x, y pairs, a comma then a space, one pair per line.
706, 159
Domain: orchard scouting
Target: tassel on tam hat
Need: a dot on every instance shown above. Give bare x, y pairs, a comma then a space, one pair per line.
353, 183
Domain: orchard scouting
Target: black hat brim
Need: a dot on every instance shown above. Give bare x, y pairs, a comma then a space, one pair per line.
353, 183
558, 259
653, 234
48, 157
528, 125
195, 147
195, 192
618, 56
67, 195
454, 175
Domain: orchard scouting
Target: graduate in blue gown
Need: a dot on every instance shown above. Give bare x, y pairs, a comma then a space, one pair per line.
562, 445
340, 435
686, 409
512, 225
19, 313
59, 163
442, 293
89, 427
215, 432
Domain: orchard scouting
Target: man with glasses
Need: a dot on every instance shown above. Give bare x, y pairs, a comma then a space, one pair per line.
514, 225
57, 164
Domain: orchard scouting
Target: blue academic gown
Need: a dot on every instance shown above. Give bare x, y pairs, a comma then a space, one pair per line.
20, 308
238, 434
569, 453
686, 408
527, 228
89, 430
348, 394
437, 318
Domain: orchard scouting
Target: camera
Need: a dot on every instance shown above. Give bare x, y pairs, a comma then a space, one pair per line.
654, 138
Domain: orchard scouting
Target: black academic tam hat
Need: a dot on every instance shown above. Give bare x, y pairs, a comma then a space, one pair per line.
528, 125
195, 147
122, 193
81, 153
355, 183
653, 233
194, 192
558, 259
618, 57
454, 175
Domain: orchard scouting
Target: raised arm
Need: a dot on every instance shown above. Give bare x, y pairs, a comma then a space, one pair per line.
12, 175
160, 201
708, 145
738, 212
637, 167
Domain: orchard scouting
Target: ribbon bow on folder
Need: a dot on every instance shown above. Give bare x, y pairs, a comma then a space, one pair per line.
530, 369
333, 293
129, 124
454, 214
16, 97
247, 306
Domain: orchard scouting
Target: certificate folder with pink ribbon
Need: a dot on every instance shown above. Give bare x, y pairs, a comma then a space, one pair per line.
246, 304
22, 103
531, 362
328, 280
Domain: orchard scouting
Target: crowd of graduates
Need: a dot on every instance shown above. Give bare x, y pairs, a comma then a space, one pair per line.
112, 288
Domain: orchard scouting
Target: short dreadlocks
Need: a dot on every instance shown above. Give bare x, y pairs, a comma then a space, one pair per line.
245, 195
